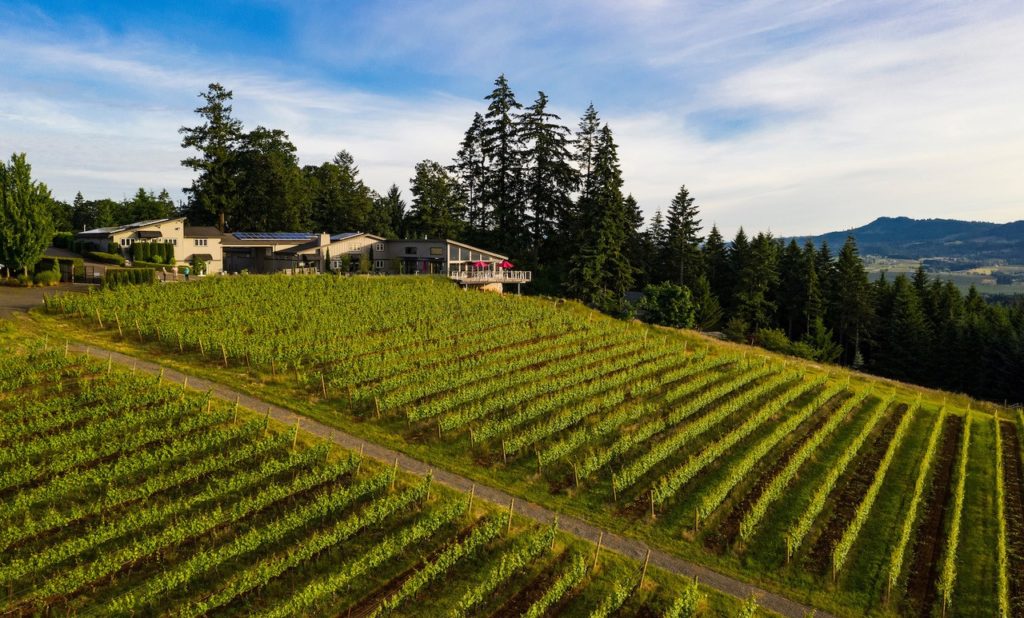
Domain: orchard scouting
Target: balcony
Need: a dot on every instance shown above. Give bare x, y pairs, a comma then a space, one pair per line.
484, 276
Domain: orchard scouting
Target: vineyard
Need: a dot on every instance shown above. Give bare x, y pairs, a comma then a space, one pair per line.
857, 495
122, 496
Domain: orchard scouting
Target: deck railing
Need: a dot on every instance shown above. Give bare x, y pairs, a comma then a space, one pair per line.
491, 276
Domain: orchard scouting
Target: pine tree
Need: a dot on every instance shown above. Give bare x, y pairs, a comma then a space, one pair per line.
850, 303
708, 312
437, 207
635, 246
83, 214
718, 267
25, 224
271, 187
470, 168
683, 240
585, 148
391, 209
813, 303
903, 342
600, 271
550, 178
756, 277
213, 197
339, 201
791, 290
654, 248
502, 148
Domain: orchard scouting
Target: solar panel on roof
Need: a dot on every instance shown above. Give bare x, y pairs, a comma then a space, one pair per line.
273, 235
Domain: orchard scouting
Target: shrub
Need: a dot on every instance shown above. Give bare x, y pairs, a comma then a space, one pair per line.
199, 265
775, 340
24, 280
668, 304
128, 276
47, 277
106, 258
113, 248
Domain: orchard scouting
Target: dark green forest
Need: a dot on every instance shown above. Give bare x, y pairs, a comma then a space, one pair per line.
526, 183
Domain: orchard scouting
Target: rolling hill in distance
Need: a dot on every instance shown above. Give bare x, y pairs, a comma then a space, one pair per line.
906, 238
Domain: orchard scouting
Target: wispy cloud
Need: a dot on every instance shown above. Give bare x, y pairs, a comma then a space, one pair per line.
794, 117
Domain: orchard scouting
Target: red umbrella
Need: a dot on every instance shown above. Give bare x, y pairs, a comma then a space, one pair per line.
506, 264
480, 264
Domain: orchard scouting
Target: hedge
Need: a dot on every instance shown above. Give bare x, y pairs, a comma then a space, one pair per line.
64, 240
49, 263
153, 252
128, 276
106, 258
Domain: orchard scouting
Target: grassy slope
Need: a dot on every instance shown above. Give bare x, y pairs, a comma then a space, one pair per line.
760, 563
658, 591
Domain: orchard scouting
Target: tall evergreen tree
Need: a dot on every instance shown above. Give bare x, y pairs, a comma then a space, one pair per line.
756, 276
437, 207
25, 224
213, 197
339, 201
392, 209
470, 168
812, 300
850, 303
550, 177
718, 266
635, 246
903, 342
585, 145
792, 286
654, 248
683, 240
601, 272
272, 190
502, 148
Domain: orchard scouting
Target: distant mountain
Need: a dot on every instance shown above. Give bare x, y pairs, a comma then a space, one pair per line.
906, 238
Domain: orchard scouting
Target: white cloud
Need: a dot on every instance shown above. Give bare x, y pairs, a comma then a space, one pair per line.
867, 109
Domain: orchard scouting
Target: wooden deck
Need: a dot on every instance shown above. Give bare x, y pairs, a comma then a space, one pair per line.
483, 277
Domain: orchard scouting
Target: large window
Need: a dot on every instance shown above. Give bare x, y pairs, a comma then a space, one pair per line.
437, 251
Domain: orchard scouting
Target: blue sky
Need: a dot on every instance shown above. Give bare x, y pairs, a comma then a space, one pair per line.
794, 117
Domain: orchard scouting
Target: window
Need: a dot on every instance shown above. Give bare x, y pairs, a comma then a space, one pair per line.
436, 251
378, 264
410, 250
200, 242
379, 247
126, 242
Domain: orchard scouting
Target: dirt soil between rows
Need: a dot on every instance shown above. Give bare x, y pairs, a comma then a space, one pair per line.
1013, 478
923, 577
850, 495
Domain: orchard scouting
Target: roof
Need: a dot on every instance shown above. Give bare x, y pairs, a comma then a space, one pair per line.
107, 231
201, 231
308, 246
347, 235
472, 248
149, 234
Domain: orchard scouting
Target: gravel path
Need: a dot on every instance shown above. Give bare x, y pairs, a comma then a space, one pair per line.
619, 544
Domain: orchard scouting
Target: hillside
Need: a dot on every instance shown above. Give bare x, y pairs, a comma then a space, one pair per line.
905, 238
822, 484
200, 507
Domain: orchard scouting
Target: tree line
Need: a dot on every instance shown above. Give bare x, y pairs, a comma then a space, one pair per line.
524, 183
